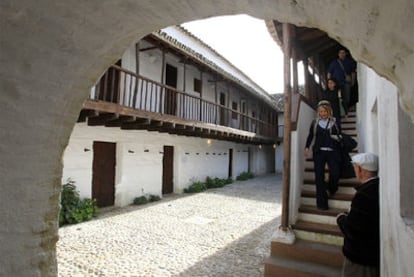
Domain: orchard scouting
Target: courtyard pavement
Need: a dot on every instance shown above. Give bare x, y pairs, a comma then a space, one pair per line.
220, 232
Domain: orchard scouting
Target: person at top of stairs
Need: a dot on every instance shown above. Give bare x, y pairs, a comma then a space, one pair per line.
333, 95
325, 151
361, 225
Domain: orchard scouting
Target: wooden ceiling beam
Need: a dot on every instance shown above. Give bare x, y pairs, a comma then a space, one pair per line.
101, 119
119, 121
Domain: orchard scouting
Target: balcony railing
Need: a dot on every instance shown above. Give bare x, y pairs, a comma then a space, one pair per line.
130, 90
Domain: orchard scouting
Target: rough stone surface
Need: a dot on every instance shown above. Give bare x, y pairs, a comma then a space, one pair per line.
220, 232
52, 52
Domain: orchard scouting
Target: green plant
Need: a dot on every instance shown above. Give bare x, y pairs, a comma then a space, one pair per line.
72, 208
153, 198
196, 187
140, 200
245, 176
217, 182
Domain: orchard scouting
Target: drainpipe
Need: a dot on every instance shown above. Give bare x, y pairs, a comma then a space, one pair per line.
287, 128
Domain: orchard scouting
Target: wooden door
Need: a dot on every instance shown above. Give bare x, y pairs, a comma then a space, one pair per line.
230, 163
170, 95
168, 170
103, 173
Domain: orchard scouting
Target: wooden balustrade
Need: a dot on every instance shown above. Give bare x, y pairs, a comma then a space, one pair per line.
128, 89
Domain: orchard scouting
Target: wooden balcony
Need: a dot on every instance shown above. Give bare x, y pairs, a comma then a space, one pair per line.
126, 100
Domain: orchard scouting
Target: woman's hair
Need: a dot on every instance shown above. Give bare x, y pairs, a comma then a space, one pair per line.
325, 104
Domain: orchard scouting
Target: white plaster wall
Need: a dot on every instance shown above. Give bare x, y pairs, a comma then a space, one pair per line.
367, 122
150, 64
379, 124
241, 156
191, 73
262, 159
78, 158
279, 158
297, 160
139, 171
208, 87
128, 60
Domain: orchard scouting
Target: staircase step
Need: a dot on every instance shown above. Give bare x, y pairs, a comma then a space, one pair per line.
308, 251
337, 196
313, 214
341, 189
317, 228
278, 266
318, 237
352, 182
314, 210
338, 204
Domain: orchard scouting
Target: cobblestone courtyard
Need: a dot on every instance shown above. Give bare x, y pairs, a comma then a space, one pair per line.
220, 232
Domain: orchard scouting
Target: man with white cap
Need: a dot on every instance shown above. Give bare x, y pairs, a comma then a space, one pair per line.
361, 225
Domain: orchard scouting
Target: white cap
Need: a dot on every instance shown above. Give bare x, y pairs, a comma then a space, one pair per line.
367, 161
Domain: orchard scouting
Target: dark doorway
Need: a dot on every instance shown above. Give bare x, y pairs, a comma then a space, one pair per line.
230, 163
249, 160
168, 170
103, 173
170, 94
222, 109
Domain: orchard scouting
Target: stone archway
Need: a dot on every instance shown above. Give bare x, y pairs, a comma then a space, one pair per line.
53, 51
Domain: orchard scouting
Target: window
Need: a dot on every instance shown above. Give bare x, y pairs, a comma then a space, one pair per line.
197, 85
234, 108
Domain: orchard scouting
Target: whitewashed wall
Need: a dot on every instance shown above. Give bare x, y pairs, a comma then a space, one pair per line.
139, 172
378, 118
152, 60
297, 159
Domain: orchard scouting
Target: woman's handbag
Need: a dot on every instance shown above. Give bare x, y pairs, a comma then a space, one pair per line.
346, 166
347, 143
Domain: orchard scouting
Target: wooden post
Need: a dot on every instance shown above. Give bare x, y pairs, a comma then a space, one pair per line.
287, 127
307, 79
295, 71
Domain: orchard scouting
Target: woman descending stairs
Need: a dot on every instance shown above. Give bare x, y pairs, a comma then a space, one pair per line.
317, 250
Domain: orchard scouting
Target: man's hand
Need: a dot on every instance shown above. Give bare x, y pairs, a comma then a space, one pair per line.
306, 152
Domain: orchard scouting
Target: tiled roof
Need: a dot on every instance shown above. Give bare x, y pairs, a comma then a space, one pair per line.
279, 100
215, 61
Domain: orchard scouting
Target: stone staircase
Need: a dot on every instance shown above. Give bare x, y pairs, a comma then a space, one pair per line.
317, 248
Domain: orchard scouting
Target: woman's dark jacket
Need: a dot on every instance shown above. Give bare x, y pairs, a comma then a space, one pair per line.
332, 97
323, 137
361, 226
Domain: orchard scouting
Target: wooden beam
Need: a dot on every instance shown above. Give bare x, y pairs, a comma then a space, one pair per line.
287, 128
119, 121
85, 113
138, 124
148, 48
101, 119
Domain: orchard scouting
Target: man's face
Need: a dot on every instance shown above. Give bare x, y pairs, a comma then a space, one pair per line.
342, 54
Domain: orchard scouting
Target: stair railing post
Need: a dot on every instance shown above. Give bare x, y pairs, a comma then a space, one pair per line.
287, 128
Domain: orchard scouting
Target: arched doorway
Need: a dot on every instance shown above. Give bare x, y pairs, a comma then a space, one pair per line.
52, 52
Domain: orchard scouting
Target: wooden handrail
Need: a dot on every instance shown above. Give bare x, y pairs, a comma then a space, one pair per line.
126, 88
